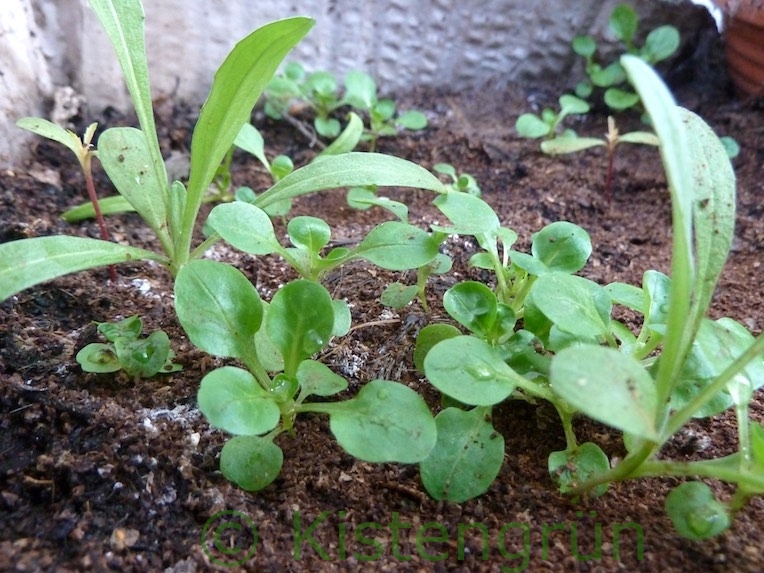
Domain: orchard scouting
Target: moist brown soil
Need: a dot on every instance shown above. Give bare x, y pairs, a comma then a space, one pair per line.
103, 472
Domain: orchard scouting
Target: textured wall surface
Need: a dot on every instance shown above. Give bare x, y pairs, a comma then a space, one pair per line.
448, 43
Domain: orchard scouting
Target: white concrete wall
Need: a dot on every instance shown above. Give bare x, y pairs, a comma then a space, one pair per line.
403, 43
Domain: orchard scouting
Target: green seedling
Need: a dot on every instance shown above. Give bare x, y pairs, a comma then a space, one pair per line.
321, 92
462, 182
660, 43
83, 150
223, 314
570, 351
548, 124
384, 119
133, 161
138, 357
573, 144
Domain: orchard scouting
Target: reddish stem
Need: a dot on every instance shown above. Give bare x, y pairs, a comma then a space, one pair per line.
97, 208
609, 179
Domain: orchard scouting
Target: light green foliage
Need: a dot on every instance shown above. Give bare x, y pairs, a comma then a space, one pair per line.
660, 43
320, 91
385, 422
138, 357
574, 354
463, 182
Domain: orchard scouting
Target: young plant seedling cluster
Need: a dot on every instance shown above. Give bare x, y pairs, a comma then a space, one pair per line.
544, 333
660, 44
540, 332
320, 91
137, 357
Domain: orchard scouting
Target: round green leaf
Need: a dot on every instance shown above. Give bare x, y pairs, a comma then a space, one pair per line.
570, 104
466, 458
251, 462
428, 337
608, 386
575, 305
473, 305
398, 246
309, 233
244, 226
584, 46
570, 469
531, 126
386, 422
695, 512
413, 120
98, 358
660, 43
562, 246
218, 308
619, 99
300, 321
623, 23
398, 295
468, 369
232, 400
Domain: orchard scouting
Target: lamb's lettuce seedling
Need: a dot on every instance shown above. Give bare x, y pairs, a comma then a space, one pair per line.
463, 182
660, 44
223, 314
549, 123
127, 351
320, 91
570, 351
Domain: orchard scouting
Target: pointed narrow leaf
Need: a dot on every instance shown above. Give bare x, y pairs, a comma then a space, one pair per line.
28, 262
127, 160
237, 86
124, 24
353, 169
608, 386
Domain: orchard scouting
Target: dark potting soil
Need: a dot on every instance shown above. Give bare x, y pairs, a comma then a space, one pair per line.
103, 472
